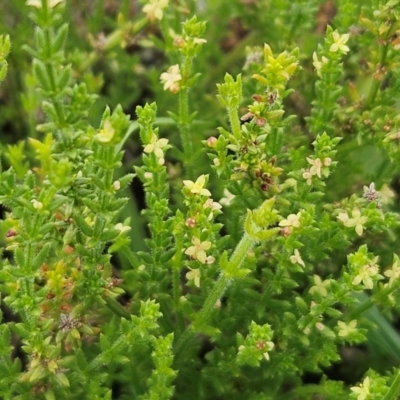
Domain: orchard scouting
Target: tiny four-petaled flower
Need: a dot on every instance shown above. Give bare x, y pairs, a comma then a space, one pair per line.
198, 251
213, 205
316, 168
363, 390
122, 228
296, 258
156, 146
171, 78
198, 186
393, 273
154, 9
339, 43
194, 275
227, 199
358, 221
320, 286
365, 274
106, 133
347, 329
292, 220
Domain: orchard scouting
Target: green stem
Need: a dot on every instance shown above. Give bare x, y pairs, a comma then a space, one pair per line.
370, 302
51, 75
222, 284
382, 58
366, 305
184, 125
190, 333
115, 307
234, 121
241, 251
394, 390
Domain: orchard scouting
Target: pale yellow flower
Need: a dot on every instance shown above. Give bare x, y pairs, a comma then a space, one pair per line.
156, 146
316, 166
307, 175
106, 133
269, 345
198, 186
38, 3
366, 273
358, 221
228, 197
362, 390
171, 78
393, 273
347, 329
122, 228
296, 258
292, 220
194, 274
320, 286
198, 250
155, 9
213, 205
339, 43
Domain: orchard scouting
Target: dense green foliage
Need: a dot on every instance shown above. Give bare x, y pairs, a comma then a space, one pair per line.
199, 199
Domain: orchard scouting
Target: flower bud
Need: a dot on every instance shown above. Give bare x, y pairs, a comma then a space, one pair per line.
212, 141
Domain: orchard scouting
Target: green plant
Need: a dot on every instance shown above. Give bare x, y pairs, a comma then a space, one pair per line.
252, 296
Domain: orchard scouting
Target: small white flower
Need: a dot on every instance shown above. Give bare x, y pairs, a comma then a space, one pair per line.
227, 199
316, 166
292, 220
307, 175
171, 78
194, 275
213, 205
365, 274
320, 286
362, 390
357, 221
106, 133
198, 250
198, 186
156, 146
155, 9
296, 258
122, 228
38, 3
393, 273
338, 44
347, 329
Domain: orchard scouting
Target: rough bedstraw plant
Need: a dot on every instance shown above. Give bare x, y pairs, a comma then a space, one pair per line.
247, 297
